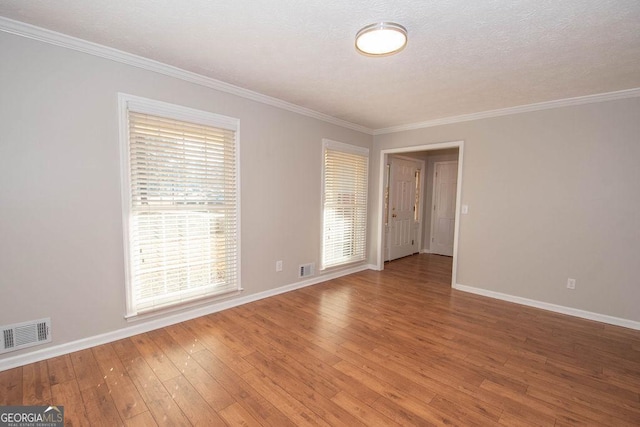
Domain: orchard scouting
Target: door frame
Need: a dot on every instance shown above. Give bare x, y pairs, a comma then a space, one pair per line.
422, 167
433, 193
381, 228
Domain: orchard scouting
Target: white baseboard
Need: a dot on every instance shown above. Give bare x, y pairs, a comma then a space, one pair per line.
161, 322
425, 251
373, 267
631, 324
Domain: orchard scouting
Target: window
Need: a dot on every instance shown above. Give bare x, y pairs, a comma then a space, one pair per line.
344, 203
181, 204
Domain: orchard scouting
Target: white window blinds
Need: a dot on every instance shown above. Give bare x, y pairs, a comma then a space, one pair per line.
344, 200
182, 202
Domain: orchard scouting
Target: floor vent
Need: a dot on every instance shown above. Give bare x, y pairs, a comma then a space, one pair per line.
26, 334
306, 270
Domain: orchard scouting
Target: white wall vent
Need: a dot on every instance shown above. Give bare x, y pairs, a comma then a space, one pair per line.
26, 334
306, 270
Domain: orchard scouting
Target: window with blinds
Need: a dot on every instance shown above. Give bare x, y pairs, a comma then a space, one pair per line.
180, 191
344, 204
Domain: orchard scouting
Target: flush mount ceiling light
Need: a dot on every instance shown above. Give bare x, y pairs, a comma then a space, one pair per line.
381, 39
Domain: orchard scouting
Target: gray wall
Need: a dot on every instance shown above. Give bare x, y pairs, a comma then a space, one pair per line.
61, 249
552, 194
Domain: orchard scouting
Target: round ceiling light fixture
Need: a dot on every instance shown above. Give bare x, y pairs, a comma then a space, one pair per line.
381, 39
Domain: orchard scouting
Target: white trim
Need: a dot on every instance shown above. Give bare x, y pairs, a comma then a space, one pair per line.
131, 103
617, 321
547, 105
456, 231
328, 144
125, 194
58, 39
175, 111
69, 42
346, 148
142, 327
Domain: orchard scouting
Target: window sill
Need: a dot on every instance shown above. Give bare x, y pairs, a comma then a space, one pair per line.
181, 307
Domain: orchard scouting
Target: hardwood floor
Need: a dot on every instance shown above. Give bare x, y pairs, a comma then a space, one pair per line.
398, 347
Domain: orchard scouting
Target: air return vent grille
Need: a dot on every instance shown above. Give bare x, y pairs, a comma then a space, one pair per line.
26, 334
306, 270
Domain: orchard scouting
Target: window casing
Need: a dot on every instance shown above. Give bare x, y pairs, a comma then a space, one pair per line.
344, 203
180, 204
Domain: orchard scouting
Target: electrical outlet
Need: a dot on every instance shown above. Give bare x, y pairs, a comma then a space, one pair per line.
278, 265
571, 283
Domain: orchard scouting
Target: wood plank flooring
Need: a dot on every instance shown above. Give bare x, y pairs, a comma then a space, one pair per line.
398, 347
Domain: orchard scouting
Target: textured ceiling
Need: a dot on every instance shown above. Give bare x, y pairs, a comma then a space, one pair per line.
463, 56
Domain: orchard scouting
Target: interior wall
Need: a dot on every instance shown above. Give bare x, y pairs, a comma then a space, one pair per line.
61, 244
552, 194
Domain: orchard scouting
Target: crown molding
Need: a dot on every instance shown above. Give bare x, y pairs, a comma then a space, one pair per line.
69, 42
58, 39
567, 102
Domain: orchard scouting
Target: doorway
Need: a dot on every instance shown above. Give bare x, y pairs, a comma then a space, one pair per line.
384, 194
445, 179
403, 210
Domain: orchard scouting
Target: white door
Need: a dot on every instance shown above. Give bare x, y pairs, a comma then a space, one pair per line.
444, 207
402, 198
